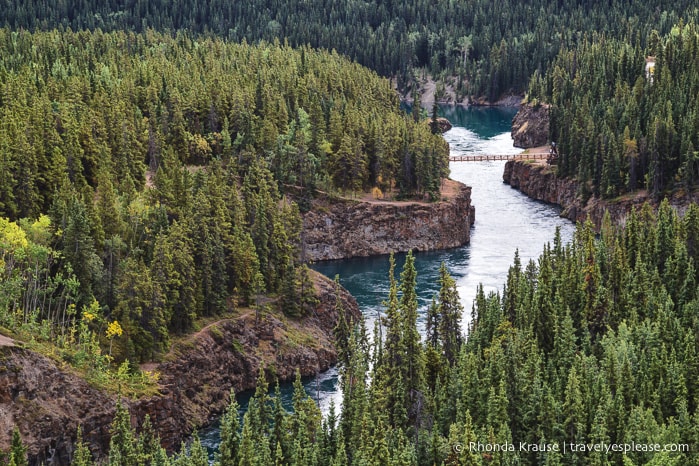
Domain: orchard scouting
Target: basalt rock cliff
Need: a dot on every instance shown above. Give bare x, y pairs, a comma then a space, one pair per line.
443, 124
47, 401
530, 126
541, 183
342, 228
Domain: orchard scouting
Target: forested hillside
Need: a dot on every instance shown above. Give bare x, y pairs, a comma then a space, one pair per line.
620, 128
491, 54
593, 344
142, 177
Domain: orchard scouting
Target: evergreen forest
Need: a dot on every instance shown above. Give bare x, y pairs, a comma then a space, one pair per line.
593, 343
156, 158
144, 178
620, 125
480, 53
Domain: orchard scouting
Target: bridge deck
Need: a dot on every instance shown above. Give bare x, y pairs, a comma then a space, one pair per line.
489, 157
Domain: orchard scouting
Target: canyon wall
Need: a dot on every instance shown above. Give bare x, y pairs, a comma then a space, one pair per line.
47, 400
341, 228
530, 126
540, 182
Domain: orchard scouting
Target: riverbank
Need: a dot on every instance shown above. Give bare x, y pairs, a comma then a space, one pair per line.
47, 400
340, 228
538, 180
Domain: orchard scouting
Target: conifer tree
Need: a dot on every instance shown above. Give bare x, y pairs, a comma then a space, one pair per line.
434, 124
197, 453
148, 442
82, 455
18, 452
450, 311
122, 446
230, 435
410, 338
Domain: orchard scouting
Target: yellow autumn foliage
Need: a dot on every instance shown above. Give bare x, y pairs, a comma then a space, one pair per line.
114, 330
12, 237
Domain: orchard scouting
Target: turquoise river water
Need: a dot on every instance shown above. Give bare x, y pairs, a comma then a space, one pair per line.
506, 221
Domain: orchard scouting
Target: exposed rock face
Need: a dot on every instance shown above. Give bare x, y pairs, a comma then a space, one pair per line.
443, 124
530, 126
48, 403
340, 228
540, 182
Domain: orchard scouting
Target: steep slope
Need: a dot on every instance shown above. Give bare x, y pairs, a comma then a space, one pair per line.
342, 228
48, 401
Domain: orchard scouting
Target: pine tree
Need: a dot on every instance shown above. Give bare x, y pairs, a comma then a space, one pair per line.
18, 452
410, 340
230, 435
279, 456
71, 215
450, 311
434, 360
122, 446
281, 430
307, 290
197, 453
82, 455
148, 442
290, 299
248, 453
393, 351
174, 272
573, 410
413, 363
343, 329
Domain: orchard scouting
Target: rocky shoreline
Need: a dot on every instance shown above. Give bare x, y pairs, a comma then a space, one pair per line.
47, 401
539, 181
342, 228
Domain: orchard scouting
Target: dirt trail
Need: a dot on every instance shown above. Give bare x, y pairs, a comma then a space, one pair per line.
242, 316
536, 151
151, 366
6, 341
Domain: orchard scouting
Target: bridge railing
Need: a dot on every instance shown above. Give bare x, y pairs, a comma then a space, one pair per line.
493, 157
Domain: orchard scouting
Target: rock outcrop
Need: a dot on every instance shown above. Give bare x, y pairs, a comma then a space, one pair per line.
530, 126
341, 228
541, 183
48, 402
443, 124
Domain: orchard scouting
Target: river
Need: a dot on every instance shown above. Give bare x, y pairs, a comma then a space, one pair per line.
506, 221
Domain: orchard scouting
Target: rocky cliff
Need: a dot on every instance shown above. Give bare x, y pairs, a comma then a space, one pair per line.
341, 228
530, 126
443, 124
48, 402
540, 182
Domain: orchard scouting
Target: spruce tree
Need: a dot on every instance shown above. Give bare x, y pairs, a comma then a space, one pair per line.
122, 445
230, 434
197, 453
410, 338
148, 442
18, 452
82, 455
450, 311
